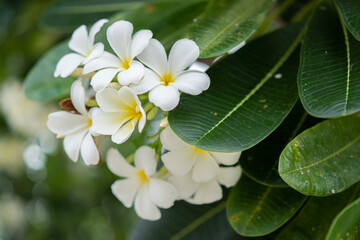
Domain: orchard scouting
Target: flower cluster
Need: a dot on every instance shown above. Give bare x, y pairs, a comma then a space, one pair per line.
119, 91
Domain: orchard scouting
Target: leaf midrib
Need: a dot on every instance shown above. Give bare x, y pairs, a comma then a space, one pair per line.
259, 85
197, 222
326, 158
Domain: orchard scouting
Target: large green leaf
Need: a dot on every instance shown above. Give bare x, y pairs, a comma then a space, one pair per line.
323, 160
225, 24
67, 15
347, 224
329, 73
349, 10
314, 219
255, 210
40, 83
251, 92
261, 161
185, 221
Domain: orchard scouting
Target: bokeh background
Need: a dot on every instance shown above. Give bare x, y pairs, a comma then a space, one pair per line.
43, 194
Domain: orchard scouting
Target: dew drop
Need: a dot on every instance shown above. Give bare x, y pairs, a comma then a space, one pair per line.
278, 76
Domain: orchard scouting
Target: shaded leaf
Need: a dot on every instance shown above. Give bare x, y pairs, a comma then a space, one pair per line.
225, 24
349, 10
67, 15
255, 210
40, 83
329, 73
251, 93
185, 221
314, 219
323, 160
261, 161
346, 225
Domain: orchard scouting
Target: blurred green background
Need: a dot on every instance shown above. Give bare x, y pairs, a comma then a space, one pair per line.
43, 194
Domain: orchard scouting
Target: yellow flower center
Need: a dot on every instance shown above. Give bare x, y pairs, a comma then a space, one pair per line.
167, 79
199, 150
125, 63
142, 176
90, 122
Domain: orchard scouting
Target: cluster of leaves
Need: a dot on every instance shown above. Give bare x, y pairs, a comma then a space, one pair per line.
299, 168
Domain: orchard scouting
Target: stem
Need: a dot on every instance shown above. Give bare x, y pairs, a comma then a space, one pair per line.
148, 106
304, 11
163, 171
130, 158
91, 103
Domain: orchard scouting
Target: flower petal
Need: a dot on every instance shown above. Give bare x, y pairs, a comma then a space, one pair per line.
106, 60
97, 51
110, 100
165, 97
131, 75
125, 190
178, 163
72, 144
192, 82
102, 78
77, 95
184, 185
89, 151
183, 53
226, 158
79, 41
67, 64
64, 123
144, 206
172, 142
207, 193
205, 168
129, 98
108, 123
142, 120
154, 56
118, 165
162, 193
119, 37
124, 132
229, 176
145, 159
95, 29
150, 80
139, 42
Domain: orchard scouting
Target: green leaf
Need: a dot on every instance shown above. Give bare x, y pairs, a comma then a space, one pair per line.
40, 83
67, 15
185, 221
323, 160
329, 73
260, 162
347, 224
251, 93
225, 24
349, 10
314, 219
255, 210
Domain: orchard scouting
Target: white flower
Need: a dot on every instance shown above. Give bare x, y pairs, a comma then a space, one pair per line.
82, 43
126, 47
120, 111
77, 128
168, 76
140, 183
183, 157
206, 192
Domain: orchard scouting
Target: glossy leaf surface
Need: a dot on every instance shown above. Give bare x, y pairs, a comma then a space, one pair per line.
323, 160
349, 10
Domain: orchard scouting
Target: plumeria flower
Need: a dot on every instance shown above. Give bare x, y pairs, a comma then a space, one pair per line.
120, 111
168, 76
206, 192
126, 47
140, 183
76, 127
183, 157
82, 43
